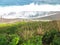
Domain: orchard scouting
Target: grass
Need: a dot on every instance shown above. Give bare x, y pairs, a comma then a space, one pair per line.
25, 32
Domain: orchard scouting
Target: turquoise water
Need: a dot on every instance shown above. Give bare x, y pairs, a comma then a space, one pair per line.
26, 2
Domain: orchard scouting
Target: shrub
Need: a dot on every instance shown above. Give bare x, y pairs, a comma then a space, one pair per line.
49, 36
37, 40
3, 39
56, 40
14, 40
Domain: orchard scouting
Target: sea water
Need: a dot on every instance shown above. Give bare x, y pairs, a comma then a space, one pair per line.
27, 8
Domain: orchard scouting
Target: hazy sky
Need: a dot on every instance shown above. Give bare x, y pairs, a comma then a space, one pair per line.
26, 2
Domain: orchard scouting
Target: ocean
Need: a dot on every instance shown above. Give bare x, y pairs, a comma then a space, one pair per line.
26, 2
27, 8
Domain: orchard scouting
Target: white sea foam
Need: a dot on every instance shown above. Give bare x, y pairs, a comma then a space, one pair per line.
18, 11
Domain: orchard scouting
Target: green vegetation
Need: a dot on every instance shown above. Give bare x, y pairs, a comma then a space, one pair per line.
30, 33
3, 39
14, 40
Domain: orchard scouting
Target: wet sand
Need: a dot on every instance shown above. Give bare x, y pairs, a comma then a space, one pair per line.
52, 17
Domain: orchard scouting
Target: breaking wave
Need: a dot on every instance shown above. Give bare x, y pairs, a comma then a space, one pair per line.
27, 11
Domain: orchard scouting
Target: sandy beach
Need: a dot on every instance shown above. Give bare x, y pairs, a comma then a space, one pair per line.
45, 18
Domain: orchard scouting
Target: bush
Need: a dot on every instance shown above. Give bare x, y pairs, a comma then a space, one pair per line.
9, 39
37, 40
56, 40
49, 36
14, 40
3, 39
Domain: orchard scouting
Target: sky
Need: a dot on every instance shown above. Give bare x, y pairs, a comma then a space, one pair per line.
27, 2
